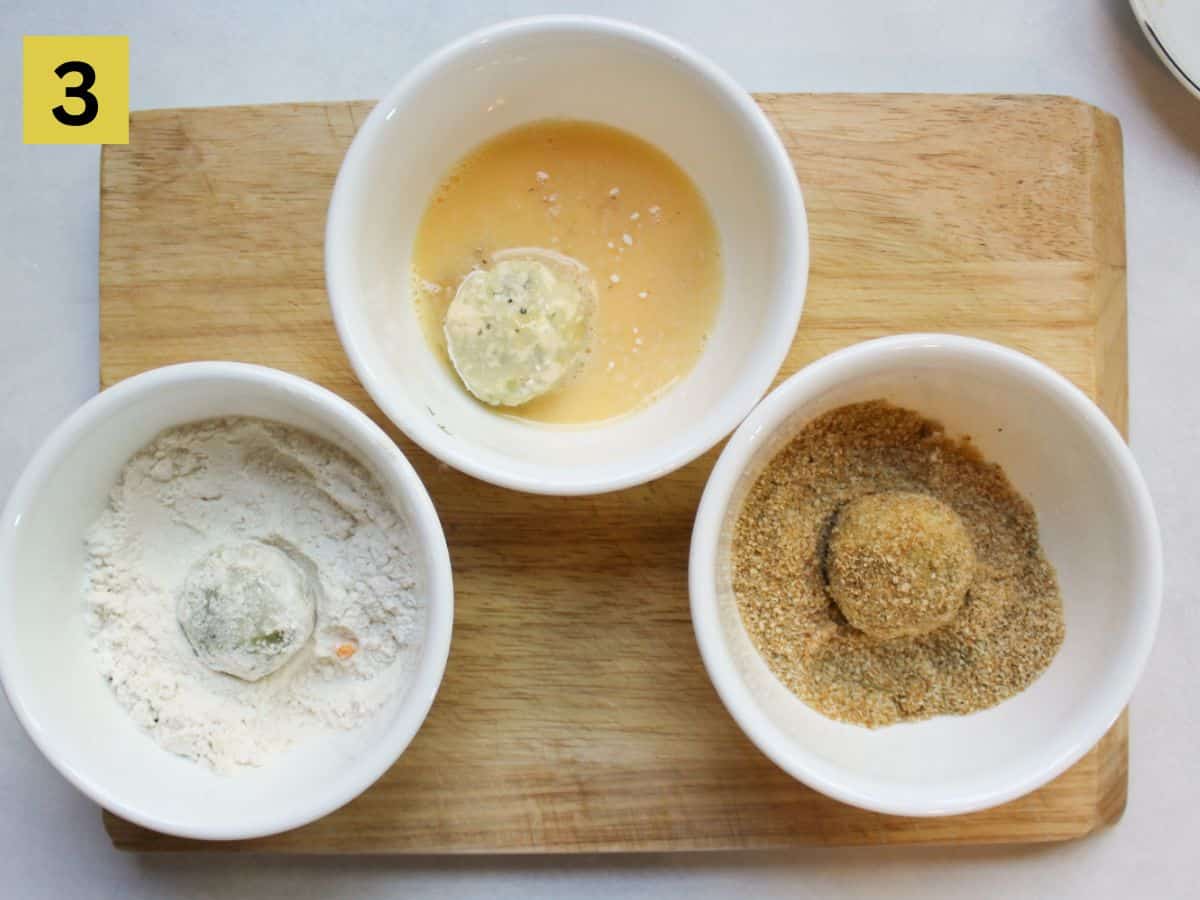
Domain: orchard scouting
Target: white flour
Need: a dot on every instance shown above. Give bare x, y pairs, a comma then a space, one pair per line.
223, 481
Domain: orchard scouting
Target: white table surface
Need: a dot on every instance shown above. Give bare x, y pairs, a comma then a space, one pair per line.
235, 51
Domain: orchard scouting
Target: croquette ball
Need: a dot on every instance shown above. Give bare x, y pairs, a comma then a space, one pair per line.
898, 564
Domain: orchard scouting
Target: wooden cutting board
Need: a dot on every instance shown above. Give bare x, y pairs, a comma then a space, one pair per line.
575, 713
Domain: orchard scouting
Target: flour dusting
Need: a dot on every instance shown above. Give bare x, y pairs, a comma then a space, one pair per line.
214, 483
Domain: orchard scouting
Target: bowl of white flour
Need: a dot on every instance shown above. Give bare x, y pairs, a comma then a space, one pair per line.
225, 600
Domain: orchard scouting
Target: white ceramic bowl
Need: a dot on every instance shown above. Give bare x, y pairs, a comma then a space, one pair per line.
581, 68
46, 663
1173, 29
1098, 529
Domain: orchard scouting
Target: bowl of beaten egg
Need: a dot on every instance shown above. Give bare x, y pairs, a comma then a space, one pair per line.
566, 255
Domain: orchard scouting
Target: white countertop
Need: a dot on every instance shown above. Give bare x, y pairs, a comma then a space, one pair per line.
235, 51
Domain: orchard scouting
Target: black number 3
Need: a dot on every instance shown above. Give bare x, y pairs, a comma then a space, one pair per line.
91, 106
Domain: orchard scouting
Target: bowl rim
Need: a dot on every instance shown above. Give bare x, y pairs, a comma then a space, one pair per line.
1144, 13
760, 369
378, 756
776, 408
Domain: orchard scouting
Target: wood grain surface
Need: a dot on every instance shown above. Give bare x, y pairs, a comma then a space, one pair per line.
575, 713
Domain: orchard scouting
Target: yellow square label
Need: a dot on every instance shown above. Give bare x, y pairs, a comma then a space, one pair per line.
76, 89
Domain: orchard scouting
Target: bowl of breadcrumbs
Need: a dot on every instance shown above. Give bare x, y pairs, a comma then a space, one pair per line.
925, 575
